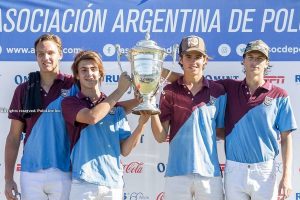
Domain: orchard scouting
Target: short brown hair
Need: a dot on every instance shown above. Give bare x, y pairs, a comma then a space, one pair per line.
87, 55
50, 37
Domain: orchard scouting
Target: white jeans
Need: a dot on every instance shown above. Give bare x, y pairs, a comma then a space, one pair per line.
49, 184
194, 187
250, 181
86, 191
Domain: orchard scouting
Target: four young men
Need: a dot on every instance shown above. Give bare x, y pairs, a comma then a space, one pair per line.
257, 114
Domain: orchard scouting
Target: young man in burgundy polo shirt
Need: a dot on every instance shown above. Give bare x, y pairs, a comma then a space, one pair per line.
257, 115
45, 162
192, 108
99, 132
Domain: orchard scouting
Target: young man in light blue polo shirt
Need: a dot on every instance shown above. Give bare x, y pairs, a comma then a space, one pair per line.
192, 108
99, 132
258, 113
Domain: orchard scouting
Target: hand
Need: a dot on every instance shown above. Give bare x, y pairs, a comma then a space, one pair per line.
124, 82
284, 188
138, 96
144, 117
11, 190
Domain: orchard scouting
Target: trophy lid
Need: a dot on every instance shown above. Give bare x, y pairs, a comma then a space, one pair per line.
147, 43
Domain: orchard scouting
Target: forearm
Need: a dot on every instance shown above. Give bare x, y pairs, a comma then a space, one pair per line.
220, 133
11, 153
129, 105
97, 113
131, 142
171, 76
287, 155
159, 132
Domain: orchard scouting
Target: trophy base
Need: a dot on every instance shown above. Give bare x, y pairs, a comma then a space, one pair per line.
146, 108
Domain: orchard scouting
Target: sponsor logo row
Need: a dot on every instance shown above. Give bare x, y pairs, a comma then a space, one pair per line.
137, 167
113, 78
109, 50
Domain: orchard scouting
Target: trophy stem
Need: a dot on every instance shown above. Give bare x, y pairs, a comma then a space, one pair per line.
146, 106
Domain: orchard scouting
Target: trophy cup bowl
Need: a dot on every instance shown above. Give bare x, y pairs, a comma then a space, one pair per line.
146, 59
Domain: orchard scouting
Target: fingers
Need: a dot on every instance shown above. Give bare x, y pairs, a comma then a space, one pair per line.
284, 192
10, 194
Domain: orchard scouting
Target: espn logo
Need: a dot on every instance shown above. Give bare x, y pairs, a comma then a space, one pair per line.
275, 79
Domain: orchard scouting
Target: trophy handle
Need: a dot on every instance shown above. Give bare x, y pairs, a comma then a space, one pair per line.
173, 54
119, 54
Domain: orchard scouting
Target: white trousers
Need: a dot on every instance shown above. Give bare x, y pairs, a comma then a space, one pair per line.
86, 191
194, 187
250, 181
49, 184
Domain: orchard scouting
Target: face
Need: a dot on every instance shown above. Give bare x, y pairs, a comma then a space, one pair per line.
88, 74
193, 62
255, 63
48, 56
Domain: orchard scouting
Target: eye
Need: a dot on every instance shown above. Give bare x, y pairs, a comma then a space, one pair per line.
260, 59
40, 54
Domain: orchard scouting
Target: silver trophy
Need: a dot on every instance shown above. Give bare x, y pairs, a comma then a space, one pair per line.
146, 60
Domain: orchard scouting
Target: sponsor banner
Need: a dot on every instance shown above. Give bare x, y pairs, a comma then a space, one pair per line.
99, 25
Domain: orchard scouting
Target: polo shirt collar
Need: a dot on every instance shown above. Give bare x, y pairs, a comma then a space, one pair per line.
267, 85
81, 96
60, 76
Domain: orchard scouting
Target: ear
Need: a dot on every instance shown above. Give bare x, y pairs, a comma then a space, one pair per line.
268, 64
205, 61
180, 60
60, 56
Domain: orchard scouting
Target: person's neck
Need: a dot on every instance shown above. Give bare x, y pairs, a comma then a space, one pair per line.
93, 93
47, 80
196, 79
254, 83
194, 83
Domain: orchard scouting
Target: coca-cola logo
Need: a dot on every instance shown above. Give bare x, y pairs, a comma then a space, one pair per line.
133, 167
160, 196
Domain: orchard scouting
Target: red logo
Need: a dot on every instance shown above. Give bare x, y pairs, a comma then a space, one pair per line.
275, 79
133, 167
18, 167
222, 166
160, 196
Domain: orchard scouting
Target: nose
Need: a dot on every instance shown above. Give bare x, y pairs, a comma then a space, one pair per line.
89, 72
46, 56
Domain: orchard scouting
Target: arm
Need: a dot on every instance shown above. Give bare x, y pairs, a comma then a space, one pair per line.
285, 185
220, 133
172, 77
129, 104
11, 152
128, 144
160, 130
92, 116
